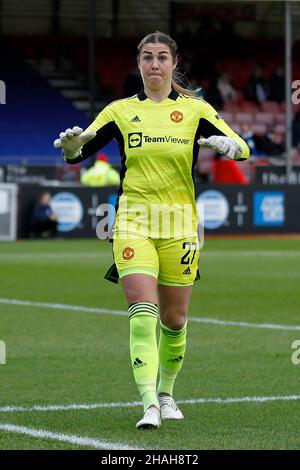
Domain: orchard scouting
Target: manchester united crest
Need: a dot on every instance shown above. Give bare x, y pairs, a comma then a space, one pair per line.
128, 253
176, 116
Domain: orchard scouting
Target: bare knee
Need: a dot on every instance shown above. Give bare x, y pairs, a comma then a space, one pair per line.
173, 318
140, 288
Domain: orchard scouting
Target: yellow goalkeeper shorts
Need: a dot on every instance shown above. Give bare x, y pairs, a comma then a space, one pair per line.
173, 262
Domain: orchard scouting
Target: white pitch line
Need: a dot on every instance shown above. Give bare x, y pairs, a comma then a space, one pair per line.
225, 401
71, 439
71, 407
197, 401
52, 256
107, 311
269, 326
76, 308
251, 253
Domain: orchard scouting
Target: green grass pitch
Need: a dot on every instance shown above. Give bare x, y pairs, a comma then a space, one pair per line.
59, 356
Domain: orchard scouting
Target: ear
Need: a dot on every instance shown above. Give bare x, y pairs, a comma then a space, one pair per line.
175, 64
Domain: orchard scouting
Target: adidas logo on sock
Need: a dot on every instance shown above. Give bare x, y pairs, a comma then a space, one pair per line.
136, 119
187, 271
176, 360
138, 363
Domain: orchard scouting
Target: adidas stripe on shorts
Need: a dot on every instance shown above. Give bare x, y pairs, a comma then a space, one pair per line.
171, 261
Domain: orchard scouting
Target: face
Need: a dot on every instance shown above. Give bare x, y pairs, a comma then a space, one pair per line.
156, 65
45, 199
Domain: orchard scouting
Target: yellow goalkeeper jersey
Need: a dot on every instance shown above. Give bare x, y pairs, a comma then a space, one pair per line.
158, 147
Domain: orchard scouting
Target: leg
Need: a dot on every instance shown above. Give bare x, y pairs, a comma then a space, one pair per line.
174, 303
140, 288
141, 293
137, 264
178, 267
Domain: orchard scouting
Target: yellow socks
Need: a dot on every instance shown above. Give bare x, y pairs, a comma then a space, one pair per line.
143, 350
171, 351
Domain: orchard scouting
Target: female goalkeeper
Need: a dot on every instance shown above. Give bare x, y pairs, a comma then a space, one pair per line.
155, 241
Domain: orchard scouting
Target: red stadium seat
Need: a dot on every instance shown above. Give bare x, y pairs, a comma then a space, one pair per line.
231, 107
244, 118
239, 95
270, 107
295, 108
264, 118
280, 118
249, 106
282, 107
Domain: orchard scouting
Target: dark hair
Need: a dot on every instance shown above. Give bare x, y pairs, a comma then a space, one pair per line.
159, 37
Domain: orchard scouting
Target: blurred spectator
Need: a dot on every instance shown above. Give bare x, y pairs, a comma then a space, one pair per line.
296, 131
269, 143
251, 139
256, 87
101, 173
277, 85
226, 89
43, 220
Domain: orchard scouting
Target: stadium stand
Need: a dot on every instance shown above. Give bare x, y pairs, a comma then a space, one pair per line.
34, 112
42, 111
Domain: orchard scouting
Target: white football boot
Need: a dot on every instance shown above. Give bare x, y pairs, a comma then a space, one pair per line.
150, 420
168, 408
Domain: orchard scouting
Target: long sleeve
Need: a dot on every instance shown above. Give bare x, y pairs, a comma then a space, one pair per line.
212, 123
106, 130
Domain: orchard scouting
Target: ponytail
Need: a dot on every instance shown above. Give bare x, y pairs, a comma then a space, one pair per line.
184, 91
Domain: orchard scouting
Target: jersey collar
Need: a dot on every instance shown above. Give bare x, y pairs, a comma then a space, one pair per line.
172, 96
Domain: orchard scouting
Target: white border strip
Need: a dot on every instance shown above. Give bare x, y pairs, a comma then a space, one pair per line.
71, 439
107, 311
198, 401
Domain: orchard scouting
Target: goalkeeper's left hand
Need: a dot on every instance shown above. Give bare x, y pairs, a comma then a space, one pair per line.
223, 145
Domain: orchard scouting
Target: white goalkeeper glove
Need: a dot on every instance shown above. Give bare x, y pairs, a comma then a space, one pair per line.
72, 140
223, 145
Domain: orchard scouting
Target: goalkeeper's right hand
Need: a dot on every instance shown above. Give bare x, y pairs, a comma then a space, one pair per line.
72, 140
